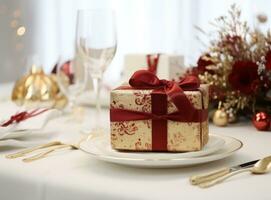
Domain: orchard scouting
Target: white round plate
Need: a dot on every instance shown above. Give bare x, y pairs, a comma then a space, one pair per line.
99, 148
102, 146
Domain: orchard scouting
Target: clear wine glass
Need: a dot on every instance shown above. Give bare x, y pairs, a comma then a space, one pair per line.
96, 45
71, 78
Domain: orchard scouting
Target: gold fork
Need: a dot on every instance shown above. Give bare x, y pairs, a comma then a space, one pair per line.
50, 147
45, 149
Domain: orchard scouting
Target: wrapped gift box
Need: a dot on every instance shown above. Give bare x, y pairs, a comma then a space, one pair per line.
168, 66
129, 132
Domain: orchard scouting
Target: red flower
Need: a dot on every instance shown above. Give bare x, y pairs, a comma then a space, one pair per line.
203, 62
268, 60
244, 77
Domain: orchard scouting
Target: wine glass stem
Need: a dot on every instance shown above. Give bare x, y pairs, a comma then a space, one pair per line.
97, 89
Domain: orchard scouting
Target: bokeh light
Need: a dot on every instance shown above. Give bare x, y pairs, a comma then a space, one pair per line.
21, 31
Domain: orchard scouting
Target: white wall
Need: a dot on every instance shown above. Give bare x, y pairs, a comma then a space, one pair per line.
143, 26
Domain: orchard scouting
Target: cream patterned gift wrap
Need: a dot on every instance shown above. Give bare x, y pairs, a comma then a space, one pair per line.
138, 135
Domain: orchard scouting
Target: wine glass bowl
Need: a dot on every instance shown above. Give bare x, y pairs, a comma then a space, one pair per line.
96, 39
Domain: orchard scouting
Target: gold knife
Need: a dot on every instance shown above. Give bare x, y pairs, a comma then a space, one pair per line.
198, 179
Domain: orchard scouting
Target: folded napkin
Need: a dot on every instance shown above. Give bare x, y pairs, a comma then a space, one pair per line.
29, 125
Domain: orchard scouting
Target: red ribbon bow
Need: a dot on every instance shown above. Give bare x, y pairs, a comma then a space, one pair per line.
143, 79
22, 116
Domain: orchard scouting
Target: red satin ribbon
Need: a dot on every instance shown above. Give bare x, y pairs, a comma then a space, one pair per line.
152, 61
22, 116
143, 79
118, 114
162, 89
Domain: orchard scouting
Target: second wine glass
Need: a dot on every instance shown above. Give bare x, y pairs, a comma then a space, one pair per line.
96, 43
71, 78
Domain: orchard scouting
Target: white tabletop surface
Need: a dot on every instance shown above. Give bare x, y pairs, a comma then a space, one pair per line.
73, 174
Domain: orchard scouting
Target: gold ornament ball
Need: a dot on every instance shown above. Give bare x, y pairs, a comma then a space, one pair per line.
37, 89
220, 118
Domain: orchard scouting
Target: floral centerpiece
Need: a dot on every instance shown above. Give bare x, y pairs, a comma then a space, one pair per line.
237, 65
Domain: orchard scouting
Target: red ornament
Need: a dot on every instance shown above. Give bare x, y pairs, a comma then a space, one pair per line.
261, 121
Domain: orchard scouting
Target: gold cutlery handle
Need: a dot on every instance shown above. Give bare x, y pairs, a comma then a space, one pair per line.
222, 178
198, 179
45, 153
26, 151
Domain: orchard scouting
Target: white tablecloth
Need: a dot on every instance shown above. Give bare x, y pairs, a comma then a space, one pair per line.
74, 175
